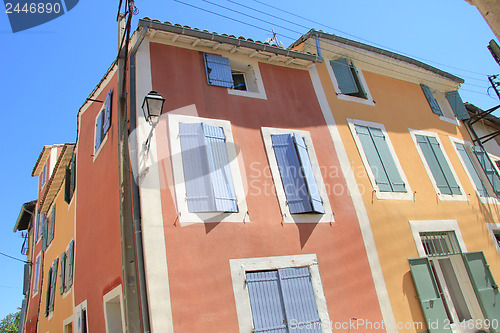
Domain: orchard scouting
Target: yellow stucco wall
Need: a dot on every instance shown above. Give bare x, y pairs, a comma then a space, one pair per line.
400, 106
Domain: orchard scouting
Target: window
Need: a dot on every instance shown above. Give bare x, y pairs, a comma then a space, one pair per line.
241, 76
48, 228
431, 100
380, 160
348, 81
207, 178
44, 175
447, 105
284, 293
36, 275
488, 168
297, 177
102, 123
38, 226
70, 180
470, 168
51, 287
113, 311
66, 274
437, 165
81, 317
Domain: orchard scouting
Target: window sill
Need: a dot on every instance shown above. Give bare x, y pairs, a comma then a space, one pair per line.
450, 120
356, 99
409, 196
245, 93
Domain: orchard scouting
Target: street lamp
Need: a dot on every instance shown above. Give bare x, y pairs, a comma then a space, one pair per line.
154, 105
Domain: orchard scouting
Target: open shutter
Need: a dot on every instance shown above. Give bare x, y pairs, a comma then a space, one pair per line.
218, 70
107, 113
457, 105
298, 298
432, 101
220, 171
47, 298
45, 233
478, 183
485, 287
266, 302
23, 315
67, 185
199, 193
52, 225
70, 259
343, 73
62, 273
429, 295
312, 186
488, 168
376, 164
26, 282
53, 281
98, 131
436, 161
291, 175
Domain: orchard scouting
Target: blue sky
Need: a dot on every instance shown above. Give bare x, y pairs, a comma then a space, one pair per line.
47, 72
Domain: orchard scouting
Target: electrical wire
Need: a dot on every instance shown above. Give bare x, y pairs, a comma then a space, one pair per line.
11, 257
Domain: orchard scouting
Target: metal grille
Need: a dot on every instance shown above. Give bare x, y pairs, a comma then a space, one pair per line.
440, 243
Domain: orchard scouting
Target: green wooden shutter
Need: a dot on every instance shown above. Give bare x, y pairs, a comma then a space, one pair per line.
430, 98
428, 293
478, 183
62, 274
70, 259
52, 225
53, 281
457, 105
45, 233
345, 78
485, 287
488, 168
47, 298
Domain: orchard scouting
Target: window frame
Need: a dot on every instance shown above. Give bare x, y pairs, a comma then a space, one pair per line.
361, 79
327, 216
109, 297
36, 276
492, 228
408, 195
441, 196
239, 267
185, 216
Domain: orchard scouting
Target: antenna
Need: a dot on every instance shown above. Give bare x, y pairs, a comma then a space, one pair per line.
274, 40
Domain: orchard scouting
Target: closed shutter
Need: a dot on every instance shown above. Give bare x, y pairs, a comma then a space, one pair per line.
62, 274
52, 224
207, 173
436, 161
429, 296
70, 259
221, 177
380, 159
432, 101
485, 287
266, 302
457, 105
312, 186
218, 70
298, 298
344, 75
488, 168
107, 113
53, 281
67, 185
98, 131
478, 183
26, 282
45, 234
291, 175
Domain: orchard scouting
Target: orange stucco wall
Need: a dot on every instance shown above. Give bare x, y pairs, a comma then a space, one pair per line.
401, 105
198, 254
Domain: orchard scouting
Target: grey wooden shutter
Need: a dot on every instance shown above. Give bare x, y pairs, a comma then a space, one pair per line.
107, 112
220, 171
45, 233
26, 282
47, 299
295, 188
53, 281
312, 186
429, 296
485, 287
457, 105
70, 258
488, 168
266, 302
218, 70
62, 275
478, 183
430, 98
299, 300
52, 224
436, 161
344, 75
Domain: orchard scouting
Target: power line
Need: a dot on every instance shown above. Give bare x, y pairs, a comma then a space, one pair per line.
26, 262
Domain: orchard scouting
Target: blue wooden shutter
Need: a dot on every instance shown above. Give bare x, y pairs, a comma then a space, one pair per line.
488, 168
298, 298
218, 70
478, 183
199, 192
107, 113
62, 274
312, 186
428, 293
70, 259
52, 224
440, 169
344, 75
430, 98
220, 171
485, 286
266, 302
98, 131
457, 105
294, 185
